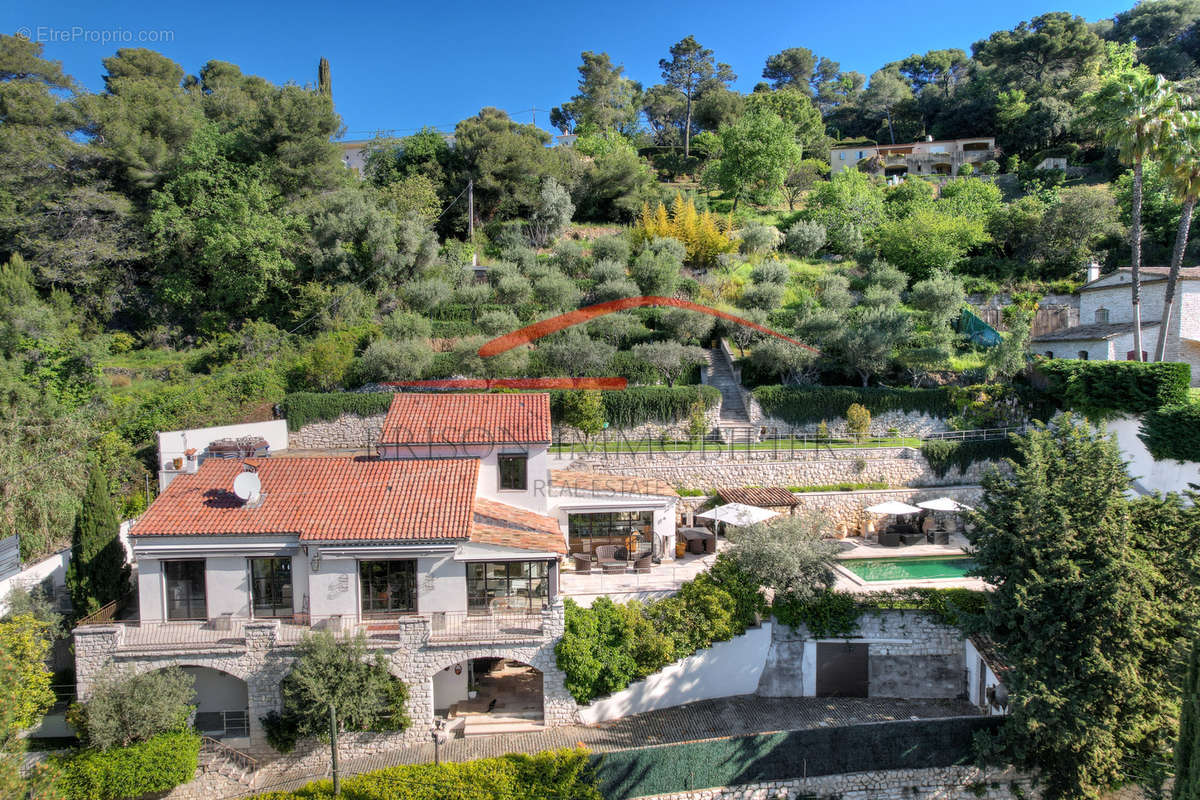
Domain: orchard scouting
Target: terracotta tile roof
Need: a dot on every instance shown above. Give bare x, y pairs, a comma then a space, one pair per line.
603, 483
502, 524
322, 499
467, 418
763, 497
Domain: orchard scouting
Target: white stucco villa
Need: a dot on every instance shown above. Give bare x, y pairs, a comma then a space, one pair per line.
1105, 330
444, 549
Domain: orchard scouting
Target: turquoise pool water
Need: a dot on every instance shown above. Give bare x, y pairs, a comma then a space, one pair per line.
909, 569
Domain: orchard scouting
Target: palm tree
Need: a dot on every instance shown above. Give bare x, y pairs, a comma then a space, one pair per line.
1135, 110
1182, 164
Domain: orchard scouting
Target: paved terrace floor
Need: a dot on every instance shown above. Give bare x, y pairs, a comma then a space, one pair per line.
708, 719
664, 579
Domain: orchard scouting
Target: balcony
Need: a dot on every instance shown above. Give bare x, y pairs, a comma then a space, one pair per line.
239, 634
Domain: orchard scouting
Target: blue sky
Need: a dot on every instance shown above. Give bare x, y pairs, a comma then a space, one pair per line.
399, 66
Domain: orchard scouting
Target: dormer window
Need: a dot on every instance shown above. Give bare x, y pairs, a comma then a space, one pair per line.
1101, 316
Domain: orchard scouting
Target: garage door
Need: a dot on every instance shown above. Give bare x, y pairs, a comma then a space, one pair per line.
842, 669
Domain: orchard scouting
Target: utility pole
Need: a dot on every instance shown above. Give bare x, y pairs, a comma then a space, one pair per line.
333, 726
471, 221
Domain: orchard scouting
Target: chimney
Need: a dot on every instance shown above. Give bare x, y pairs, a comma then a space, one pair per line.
191, 464
1093, 271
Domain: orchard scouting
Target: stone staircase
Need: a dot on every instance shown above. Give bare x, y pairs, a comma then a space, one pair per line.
734, 425
220, 759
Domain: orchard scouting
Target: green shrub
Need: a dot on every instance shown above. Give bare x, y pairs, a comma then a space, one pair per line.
567, 774
858, 420
157, 765
301, 408
944, 455
641, 404
1173, 432
1106, 388
608, 646
799, 406
835, 614
453, 328
124, 709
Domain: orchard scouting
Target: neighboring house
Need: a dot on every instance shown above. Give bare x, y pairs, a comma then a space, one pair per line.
1052, 162
444, 549
930, 157
986, 671
1105, 330
354, 153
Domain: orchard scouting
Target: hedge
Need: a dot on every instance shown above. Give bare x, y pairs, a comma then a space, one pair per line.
566, 774
641, 404
302, 408
1172, 432
1106, 388
764, 758
156, 765
833, 613
799, 406
945, 454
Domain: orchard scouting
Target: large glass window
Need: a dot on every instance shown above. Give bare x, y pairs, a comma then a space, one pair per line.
507, 586
588, 531
388, 586
271, 586
513, 471
185, 589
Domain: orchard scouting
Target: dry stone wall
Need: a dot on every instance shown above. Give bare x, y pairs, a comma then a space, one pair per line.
740, 466
915, 424
938, 783
347, 431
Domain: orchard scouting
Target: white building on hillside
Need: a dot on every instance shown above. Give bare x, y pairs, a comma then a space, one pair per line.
1105, 329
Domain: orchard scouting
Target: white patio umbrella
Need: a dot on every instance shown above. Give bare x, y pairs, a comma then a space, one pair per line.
739, 514
892, 507
944, 504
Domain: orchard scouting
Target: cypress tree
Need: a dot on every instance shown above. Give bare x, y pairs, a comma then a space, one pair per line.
1187, 749
324, 85
97, 574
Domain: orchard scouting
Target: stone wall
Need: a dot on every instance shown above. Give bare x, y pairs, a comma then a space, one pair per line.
907, 423
263, 661
910, 654
738, 466
937, 783
653, 431
347, 431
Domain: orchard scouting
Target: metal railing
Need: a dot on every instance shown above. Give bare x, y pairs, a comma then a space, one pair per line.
228, 632
457, 626
765, 442
237, 757
108, 612
221, 724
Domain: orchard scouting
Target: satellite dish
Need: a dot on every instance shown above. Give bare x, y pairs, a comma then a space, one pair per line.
247, 485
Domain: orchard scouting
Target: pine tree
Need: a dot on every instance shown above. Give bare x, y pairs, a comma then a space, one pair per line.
1187, 749
97, 574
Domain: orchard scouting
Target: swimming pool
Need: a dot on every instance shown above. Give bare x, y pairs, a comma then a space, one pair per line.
915, 568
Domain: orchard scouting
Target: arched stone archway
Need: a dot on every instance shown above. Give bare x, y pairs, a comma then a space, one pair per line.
488, 690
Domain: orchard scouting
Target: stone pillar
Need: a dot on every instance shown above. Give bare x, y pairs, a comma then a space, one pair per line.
95, 646
265, 668
414, 663
558, 706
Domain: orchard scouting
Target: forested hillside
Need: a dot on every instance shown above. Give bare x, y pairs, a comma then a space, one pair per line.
181, 249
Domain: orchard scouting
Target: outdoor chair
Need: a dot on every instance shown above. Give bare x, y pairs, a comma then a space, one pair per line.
583, 563
606, 553
889, 538
642, 565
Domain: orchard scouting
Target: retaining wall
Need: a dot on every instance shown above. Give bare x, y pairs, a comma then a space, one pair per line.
739, 466
723, 670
